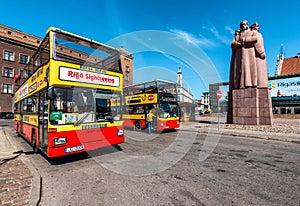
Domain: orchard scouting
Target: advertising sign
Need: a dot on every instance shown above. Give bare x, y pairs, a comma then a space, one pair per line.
287, 87
23, 91
76, 75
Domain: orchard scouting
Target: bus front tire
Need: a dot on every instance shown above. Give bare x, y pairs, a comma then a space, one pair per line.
138, 125
35, 149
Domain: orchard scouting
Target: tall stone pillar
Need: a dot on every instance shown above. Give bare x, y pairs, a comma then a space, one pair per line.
265, 107
251, 106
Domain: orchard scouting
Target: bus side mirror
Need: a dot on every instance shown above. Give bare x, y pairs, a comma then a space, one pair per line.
51, 94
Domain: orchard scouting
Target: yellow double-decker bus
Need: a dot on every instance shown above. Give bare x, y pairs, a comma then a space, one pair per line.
65, 105
158, 97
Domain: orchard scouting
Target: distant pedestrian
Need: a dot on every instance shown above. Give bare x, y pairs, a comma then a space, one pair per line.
150, 116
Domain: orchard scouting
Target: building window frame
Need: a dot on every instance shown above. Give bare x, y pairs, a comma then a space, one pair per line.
8, 55
8, 72
24, 59
21, 73
7, 88
27, 73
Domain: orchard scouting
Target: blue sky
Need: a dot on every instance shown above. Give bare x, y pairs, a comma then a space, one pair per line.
165, 34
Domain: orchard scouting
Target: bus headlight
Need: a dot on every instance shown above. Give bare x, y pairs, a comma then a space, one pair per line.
60, 140
120, 132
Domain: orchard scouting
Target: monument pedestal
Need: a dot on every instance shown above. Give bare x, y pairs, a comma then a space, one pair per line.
252, 106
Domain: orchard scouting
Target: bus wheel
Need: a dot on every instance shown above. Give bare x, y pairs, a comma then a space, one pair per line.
17, 130
35, 150
138, 125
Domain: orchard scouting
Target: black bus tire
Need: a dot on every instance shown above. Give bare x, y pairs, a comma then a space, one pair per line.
33, 142
138, 125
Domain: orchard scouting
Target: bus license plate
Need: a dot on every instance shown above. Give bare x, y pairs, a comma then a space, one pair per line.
73, 149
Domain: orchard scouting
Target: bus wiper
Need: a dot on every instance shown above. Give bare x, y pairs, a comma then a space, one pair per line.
109, 118
85, 115
106, 119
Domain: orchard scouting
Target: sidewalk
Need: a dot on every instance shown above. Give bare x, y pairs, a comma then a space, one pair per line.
19, 181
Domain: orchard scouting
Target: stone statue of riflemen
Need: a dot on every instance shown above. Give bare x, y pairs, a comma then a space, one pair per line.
249, 100
243, 64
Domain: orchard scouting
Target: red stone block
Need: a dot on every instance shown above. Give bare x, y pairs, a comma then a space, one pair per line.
248, 102
238, 120
234, 112
248, 92
254, 112
265, 121
252, 120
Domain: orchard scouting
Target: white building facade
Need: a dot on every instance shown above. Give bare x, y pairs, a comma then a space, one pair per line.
185, 99
184, 95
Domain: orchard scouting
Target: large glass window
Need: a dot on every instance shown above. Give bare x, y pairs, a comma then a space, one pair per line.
151, 87
24, 106
83, 105
24, 59
168, 110
32, 104
27, 73
8, 72
166, 87
136, 89
136, 109
16, 107
85, 52
8, 55
7, 88
21, 73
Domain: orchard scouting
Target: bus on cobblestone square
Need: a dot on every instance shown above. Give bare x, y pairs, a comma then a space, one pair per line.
72, 101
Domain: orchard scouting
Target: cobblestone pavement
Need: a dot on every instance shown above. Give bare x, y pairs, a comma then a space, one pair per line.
282, 129
15, 182
287, 126
16, 179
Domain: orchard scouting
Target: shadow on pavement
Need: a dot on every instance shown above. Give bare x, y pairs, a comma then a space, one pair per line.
3, 161
83, 155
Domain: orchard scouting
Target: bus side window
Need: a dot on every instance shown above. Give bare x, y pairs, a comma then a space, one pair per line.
16, 107
24, 106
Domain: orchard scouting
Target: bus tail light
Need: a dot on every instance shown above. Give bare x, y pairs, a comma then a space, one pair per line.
120, 132
60, 140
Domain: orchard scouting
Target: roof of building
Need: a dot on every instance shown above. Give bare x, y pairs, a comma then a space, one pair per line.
291, 66
125, 53
20, 36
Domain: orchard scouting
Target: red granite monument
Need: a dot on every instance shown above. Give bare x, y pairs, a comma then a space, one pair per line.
249, 100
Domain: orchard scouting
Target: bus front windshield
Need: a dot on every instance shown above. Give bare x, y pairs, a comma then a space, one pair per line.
168, 109
82, 105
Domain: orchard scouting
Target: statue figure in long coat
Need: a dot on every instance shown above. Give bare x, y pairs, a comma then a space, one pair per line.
248, 61
235, 62
261, 64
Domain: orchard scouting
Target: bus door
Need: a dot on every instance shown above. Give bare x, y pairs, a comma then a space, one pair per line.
21, 117
43, 120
